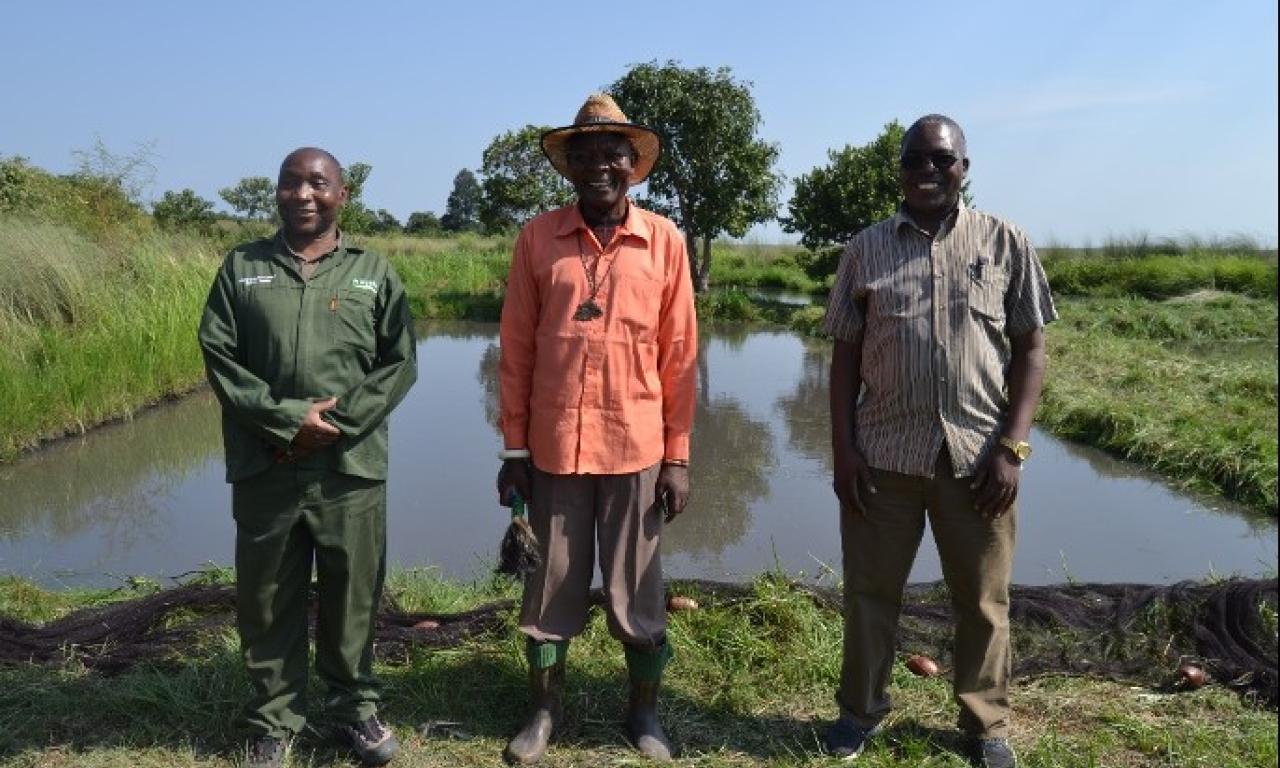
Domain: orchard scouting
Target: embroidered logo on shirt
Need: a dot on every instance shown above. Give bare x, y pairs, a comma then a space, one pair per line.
368, 285
258, 280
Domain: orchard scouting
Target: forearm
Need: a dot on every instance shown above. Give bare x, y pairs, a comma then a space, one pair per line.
1025, 380
844, 386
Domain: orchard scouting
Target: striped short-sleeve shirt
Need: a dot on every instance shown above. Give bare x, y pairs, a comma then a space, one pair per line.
935, 316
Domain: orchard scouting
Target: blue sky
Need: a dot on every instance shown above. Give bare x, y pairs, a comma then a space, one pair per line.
1086, 120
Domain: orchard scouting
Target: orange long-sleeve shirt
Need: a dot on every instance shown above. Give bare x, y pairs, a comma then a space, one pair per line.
610, 395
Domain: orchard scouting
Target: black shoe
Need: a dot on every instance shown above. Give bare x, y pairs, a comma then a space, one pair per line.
265, 752
372, 741
990, 753
846, 739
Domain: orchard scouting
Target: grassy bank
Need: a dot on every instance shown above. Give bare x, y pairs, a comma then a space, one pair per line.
751, 685
93, 332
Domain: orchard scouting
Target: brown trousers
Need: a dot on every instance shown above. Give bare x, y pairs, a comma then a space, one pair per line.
977, 562
571, 515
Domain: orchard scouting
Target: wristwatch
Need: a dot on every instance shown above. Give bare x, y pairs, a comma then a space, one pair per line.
1021, 448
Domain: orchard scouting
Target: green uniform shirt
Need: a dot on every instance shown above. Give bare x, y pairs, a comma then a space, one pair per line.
273, 343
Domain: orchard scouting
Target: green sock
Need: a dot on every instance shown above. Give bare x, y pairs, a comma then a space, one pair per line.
543, 655
645, 665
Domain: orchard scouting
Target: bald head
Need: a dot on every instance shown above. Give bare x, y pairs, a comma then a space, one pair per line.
313, 153
941, 121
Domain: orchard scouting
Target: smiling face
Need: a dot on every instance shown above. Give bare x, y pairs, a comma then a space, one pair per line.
934, 165
309, 193
600, 168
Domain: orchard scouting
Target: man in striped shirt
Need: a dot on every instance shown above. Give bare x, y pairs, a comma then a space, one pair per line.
938, 316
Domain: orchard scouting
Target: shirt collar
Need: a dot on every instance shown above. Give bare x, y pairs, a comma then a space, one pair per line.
633, 225
901, 217
284, 246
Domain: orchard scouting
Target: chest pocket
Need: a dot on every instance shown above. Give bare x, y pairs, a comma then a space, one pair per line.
987, 287
352, 318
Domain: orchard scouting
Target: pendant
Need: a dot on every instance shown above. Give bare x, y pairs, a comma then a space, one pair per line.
588, 310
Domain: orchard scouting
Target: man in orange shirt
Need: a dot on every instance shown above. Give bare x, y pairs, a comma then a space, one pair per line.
597, 398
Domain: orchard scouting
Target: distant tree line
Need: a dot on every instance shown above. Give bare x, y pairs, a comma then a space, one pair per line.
716, 177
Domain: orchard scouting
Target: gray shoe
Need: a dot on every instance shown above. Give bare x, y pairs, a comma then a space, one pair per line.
265, 752
846, 739
373, 742
546, 694
990, 753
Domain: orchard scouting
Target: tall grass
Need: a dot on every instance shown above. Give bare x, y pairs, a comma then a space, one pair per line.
92, 333
1161, 269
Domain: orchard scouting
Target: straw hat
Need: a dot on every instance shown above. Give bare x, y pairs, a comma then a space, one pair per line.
601, 114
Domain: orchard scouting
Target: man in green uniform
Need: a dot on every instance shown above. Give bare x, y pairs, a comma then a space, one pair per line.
308, 344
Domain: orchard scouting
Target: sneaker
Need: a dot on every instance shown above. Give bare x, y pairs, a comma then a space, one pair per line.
372, 741
265, 752
990, 753
846, 739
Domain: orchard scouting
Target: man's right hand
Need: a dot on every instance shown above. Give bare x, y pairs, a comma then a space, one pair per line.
853, 478
514, 476
316, 433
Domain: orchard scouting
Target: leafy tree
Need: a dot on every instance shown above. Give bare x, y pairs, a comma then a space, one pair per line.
519, 183
383, 221
714, 177
462, 210
422, 223
253, 197
130, 173
832, 203
356, 216
184, 210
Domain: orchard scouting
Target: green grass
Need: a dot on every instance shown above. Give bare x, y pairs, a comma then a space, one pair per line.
751, 685
91, 333
1121, 377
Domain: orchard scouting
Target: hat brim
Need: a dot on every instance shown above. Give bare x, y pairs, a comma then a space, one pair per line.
645, 141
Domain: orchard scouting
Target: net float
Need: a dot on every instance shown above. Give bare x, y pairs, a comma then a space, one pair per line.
426, 624
681, 603
922, 666
1191, 675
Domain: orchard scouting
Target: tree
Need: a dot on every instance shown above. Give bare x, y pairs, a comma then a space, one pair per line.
356, 216
832, 203
383, 221
253, 197
184, 210
714, 175
422, 223
462, 210
519, 183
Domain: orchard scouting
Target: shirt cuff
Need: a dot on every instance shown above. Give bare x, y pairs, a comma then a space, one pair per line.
677, 448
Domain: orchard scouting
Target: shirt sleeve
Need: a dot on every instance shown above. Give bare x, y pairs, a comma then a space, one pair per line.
243, 395
517, 337
1028, 303
677, 352
844, 319
395, 368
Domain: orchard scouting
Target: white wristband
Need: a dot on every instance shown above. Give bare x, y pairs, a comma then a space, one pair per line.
513, 453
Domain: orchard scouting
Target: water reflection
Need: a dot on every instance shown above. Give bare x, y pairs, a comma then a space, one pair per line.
146, 497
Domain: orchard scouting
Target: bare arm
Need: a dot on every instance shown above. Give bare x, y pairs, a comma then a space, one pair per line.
851, 471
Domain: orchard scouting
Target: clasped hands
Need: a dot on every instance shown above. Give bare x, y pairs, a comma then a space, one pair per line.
314, 435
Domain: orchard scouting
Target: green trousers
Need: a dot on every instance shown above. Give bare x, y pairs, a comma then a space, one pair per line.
286, 518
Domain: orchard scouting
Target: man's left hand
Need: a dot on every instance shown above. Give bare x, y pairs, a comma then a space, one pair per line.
673, 480
996, 483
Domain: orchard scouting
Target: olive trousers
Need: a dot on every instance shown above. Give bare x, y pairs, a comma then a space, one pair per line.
977, 563
287, 518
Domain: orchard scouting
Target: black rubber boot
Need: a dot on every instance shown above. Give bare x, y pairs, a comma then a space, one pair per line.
546, 689
643, 727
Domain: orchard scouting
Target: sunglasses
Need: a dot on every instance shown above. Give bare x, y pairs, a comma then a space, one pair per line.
915, 161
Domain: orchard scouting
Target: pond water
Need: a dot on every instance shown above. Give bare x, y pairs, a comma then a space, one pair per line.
146, 497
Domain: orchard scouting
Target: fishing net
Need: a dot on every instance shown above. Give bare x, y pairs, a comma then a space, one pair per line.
1124, 632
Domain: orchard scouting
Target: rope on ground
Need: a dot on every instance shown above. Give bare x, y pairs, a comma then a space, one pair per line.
1126, 632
